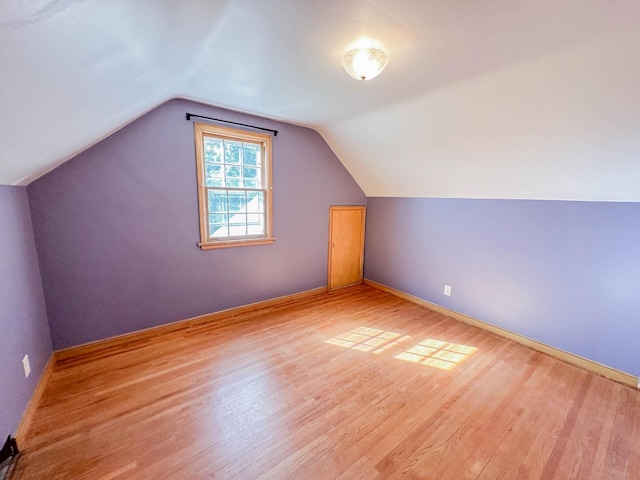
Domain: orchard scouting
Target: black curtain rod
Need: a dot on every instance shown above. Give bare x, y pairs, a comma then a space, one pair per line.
275, 132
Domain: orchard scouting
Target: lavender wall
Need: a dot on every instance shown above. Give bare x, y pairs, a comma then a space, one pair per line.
563, 273
116, 228
23, 319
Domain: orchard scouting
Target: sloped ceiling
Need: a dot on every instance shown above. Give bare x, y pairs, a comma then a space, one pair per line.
494, 99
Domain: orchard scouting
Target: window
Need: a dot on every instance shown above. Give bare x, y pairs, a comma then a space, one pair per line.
234, 187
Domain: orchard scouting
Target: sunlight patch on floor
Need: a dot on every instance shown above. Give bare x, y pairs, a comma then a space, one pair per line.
437, 354
366, 339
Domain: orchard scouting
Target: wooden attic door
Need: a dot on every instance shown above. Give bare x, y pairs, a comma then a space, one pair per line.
346, 245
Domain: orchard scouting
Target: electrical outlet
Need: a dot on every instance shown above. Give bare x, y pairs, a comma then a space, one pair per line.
447, 290
27, 367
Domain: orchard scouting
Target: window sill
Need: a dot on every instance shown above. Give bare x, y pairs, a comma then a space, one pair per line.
236, 243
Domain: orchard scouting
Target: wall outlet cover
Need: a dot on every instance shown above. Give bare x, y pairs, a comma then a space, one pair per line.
26, 366
447, 290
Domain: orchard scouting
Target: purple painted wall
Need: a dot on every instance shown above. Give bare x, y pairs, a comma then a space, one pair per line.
563, 273
116, 228
23, 320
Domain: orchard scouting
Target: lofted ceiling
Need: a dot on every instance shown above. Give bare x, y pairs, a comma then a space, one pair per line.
531, 99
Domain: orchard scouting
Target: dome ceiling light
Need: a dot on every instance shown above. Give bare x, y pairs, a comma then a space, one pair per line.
364, 63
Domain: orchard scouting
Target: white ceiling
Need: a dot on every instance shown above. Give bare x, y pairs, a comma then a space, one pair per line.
481, 99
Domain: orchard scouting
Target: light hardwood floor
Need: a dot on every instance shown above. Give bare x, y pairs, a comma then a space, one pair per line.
352, 384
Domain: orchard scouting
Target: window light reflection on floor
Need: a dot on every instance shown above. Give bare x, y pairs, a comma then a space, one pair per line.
366, 339
437, 353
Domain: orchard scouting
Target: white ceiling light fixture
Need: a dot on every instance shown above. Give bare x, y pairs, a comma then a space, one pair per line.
365, 63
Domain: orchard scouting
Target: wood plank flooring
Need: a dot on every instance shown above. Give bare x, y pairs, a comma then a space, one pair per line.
354, 384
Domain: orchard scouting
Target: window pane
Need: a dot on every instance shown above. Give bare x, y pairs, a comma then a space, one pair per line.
232, 152
214, 170
233, 176
234, 183
251, 173
215, 182
216, 231
255, 202
218, 226
217, 201
214, 175
233, 171
218, 218
238, 224
212, 150
251, 177
255, 224
237, 202
251, 154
